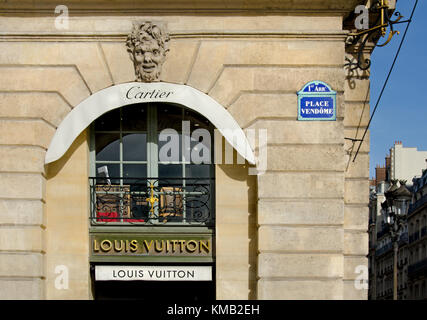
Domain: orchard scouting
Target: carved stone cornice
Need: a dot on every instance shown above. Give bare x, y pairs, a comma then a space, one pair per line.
118, 7
120, 36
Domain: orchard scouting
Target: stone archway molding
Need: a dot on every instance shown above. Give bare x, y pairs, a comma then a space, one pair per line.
138, 92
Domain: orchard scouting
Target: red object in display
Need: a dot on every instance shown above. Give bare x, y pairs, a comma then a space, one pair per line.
134, 220
109, 216
113, 217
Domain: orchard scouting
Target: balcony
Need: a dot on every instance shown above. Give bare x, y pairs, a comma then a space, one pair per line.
152, 201
416, 205
384, 249
403, 239
400, 264
384, 231
417, 268
414, 237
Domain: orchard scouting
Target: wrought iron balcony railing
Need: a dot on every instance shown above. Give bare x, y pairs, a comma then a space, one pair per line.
414, 237
418, 204
403, 239
384, 249
417, 268
152, 201
385, 229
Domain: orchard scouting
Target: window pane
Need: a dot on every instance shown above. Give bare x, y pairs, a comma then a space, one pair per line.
197, 170
171, 193
196, 120
199, 200
169, 117
170, 171
134, 171
197, 210
107, 146
134, 118
168, 174
109, 121
201, 150
170, 150
135, 147
113, 170
140, 208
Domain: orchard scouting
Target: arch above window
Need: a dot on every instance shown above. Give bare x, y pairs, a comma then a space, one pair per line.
136, 92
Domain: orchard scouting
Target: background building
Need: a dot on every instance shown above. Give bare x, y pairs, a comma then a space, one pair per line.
406, 162
402, 164
417, 247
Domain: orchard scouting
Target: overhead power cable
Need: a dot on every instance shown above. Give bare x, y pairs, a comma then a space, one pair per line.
386, 80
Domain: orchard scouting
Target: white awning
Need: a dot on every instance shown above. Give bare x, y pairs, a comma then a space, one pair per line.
137, 92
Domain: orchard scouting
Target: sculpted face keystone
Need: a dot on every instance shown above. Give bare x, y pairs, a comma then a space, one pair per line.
147, 45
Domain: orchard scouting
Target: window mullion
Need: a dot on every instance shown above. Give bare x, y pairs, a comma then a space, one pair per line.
121, 183
152, 147
184, 195
152, 153
92, 172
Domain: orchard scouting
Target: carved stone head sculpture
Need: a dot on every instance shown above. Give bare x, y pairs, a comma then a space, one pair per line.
147, 45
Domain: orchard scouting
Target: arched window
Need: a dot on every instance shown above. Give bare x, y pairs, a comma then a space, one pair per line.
152, 164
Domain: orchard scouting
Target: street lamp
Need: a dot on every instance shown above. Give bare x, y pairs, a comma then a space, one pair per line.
395, 209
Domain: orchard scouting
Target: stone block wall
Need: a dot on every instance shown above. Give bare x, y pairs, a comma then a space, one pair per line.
356, 192
311, 217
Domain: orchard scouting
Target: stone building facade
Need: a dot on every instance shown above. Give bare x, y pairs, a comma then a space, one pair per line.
297, 231
406, 162
417, 247
402, 163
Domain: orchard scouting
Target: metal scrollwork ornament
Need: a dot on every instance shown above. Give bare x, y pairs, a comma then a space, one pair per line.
372, 35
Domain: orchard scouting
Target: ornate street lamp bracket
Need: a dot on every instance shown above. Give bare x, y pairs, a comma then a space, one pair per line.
362, 38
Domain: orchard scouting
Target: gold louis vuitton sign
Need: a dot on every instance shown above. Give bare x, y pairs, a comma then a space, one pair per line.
151, 245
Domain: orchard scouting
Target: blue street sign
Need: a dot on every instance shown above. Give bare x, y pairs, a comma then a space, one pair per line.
317, 101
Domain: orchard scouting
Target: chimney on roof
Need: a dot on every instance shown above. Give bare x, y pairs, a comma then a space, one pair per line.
380, 174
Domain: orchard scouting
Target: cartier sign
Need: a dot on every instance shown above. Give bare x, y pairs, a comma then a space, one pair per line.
139, 93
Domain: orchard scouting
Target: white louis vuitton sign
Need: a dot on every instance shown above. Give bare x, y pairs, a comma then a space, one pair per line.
154, 273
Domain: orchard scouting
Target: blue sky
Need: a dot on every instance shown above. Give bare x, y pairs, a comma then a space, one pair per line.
402, 112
